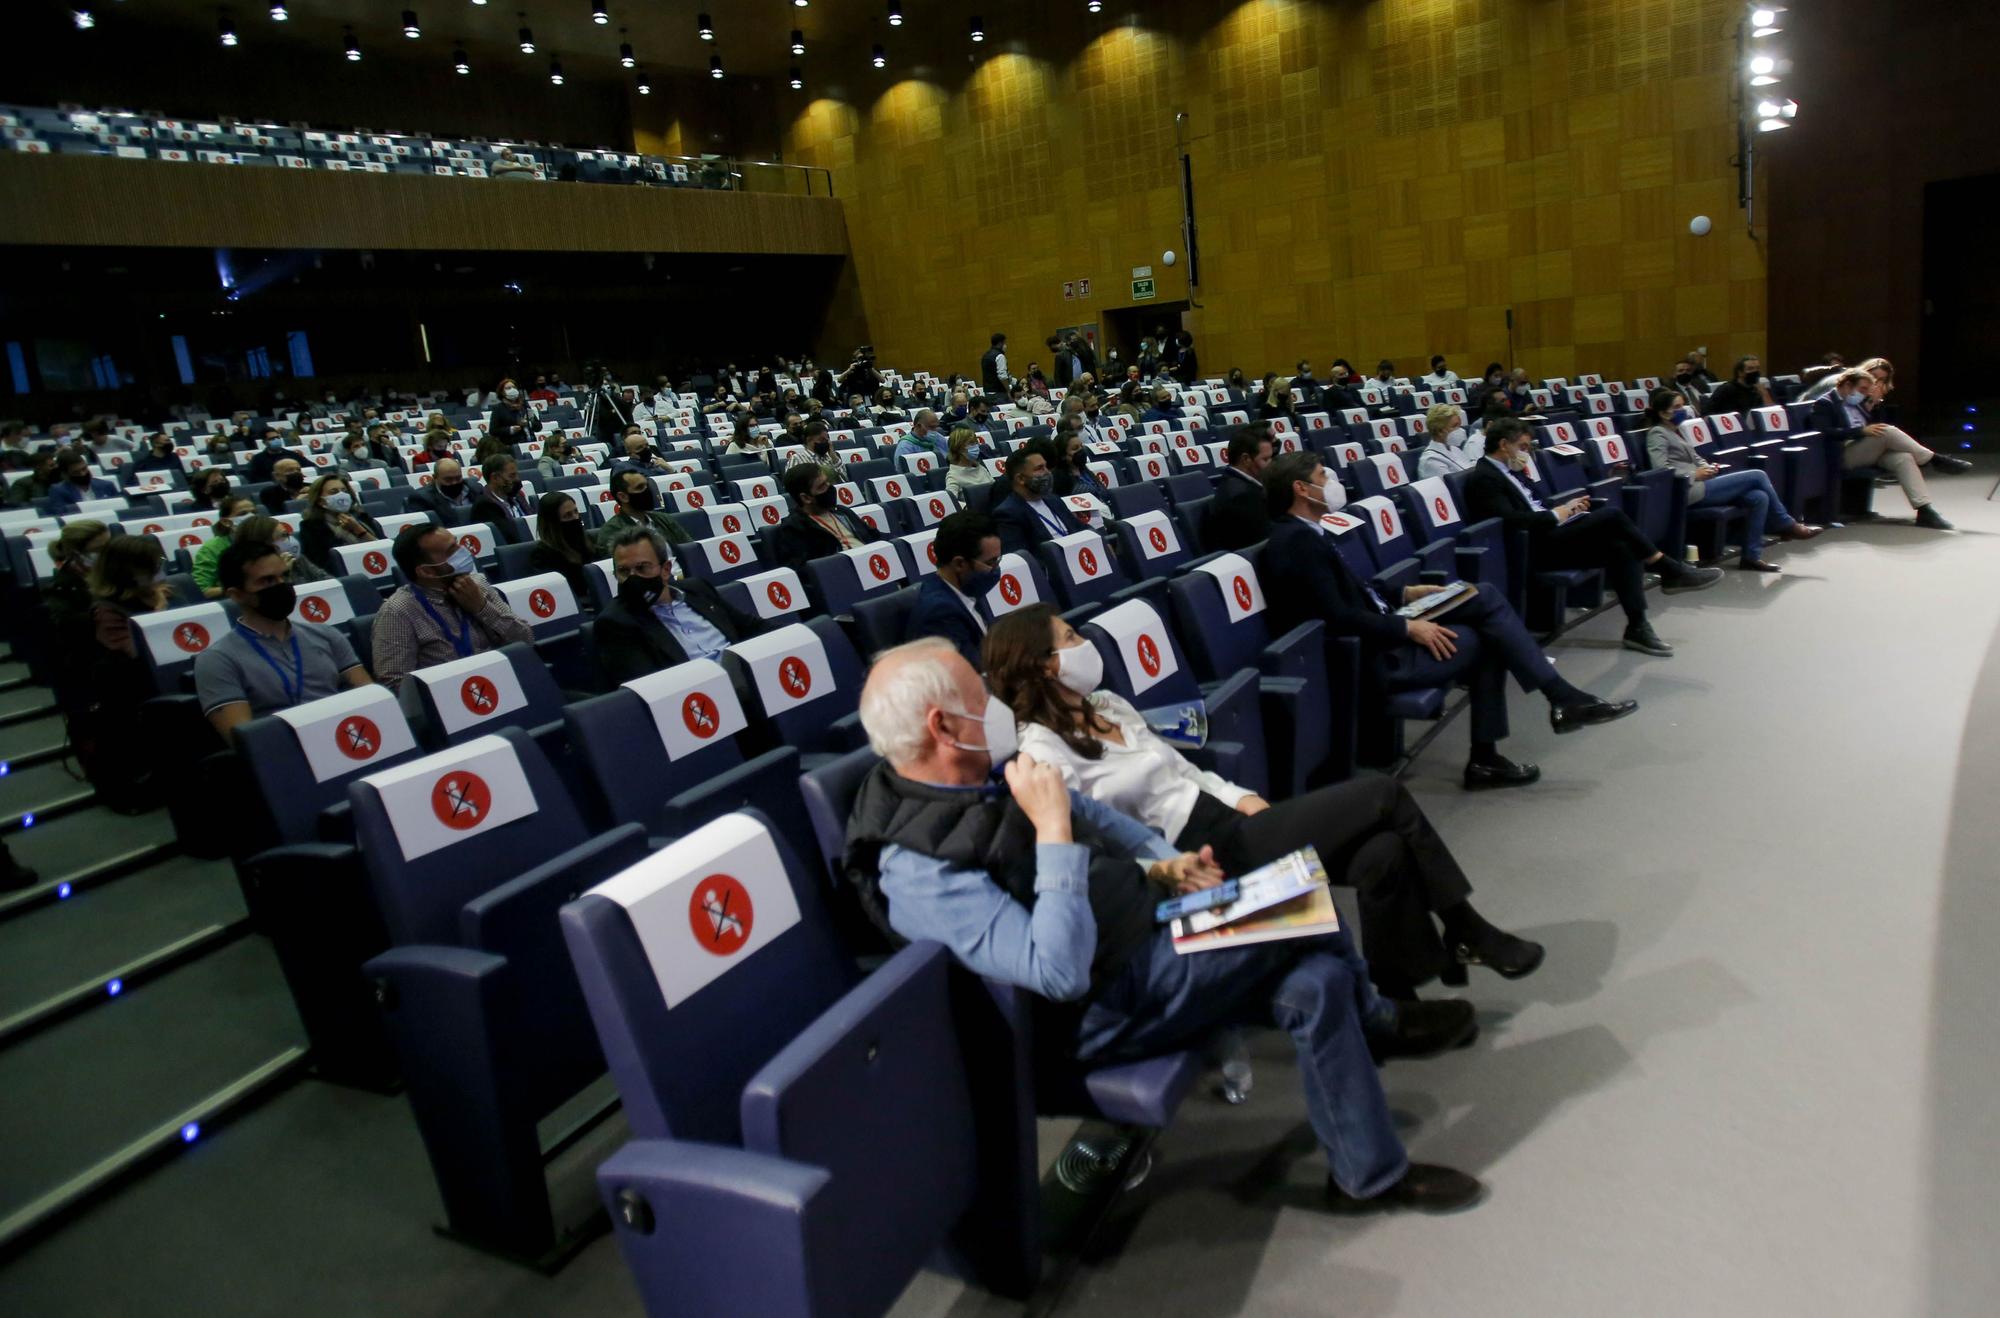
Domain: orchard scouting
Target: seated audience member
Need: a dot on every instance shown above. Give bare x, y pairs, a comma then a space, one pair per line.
746, 443
636, 453
40, 482
356, 454
1698, 360
924, 438
1479, 641
288, 482
1069, 460
1277, 403
557, 456
1449, 446
77, 484
964, 471
1690, 383
439, 440
1744, 390
950, 600
449, 497
1821, 376
817, 525
446, 612
1241, 391
1029, 515
332, 517
66, 594
1385, 374
1708, 486
267, 661
635, 502
260, 530
1338, 393
160, 455
1494, 384
1370, 833
233, 509
1305, 389
1441, 376
1037, 886
1575, 535
1845, 412
263, 464
816, 450
1163, 408
1238, 518
656, 622
503, 502
488, 448
510, 166
886, 409
561, 543
210, 488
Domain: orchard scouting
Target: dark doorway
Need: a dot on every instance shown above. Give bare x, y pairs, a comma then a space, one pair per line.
1961, 337
1124, 327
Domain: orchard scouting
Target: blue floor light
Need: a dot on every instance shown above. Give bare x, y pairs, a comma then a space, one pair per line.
62, 892
191, 1132
115, 987
27, 821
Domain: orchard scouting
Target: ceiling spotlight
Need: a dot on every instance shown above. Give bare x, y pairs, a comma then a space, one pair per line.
715, 66
798, 42
645, 83
798, 79
555, 70
84, 19
1766, 71
227, 28
1095, 6
978, 29
458, 60
625, 56
881, 60
353, 48
800, 4
598, 13
410, 28
279, 13
527, 41
1773, 125
703, 28
895, 13
1764, 20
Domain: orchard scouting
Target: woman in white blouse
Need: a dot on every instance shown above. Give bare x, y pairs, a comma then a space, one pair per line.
1370, 832
1451, 448
965, 472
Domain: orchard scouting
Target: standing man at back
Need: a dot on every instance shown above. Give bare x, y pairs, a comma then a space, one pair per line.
993, 375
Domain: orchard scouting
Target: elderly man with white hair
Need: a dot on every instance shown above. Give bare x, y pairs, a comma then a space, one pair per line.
957, 839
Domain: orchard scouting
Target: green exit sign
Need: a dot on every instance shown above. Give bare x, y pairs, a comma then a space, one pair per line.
1141, 289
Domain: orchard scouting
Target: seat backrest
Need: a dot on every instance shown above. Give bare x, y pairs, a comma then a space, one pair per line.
1142, 660
437, 831
543, 601
720, 558
1219, 611
882, 619
772, 595
1151, 545
168, 640
1081, 568
829, 793
302, 758
698, 965
802, 679
1381, 472
510, 687
1134, 499
1387, 539
854, 574
658, 736
1022, 582
1189, 485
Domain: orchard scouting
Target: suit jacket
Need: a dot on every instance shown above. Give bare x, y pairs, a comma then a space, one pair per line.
1829, 417
801, 538
1021, 529
1491, 492
939, 612
430, 500
1238, 517
488, 508
1668, 450
1304, 579
260, 464
633, 644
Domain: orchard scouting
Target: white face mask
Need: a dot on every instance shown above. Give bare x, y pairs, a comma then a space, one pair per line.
1001, 742
1080, 668
513, 395
340, 502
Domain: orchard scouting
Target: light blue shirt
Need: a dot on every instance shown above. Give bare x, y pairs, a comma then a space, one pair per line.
1852, 406
1519, 484
931, 444
1046, 950
697, 636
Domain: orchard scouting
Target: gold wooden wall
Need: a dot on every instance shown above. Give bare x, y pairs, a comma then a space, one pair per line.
1372, 179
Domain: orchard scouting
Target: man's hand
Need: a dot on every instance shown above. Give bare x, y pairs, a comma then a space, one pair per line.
1574, 508
1411, 594
466, 593
1038, 789
1187, 872
1440, 641
1875, 429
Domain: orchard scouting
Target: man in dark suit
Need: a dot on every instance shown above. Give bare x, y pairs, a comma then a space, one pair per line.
273, 452
1030, 514
1304, 388
1238, 518
993, 375
502, 501
1573, 535
949, 601
1480, 640
817, 526
1163, 408
655, 622
449, 497
1868, 441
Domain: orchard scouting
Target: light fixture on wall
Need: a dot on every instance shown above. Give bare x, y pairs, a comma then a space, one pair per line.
978, 29
1095, 6
555, 70
798, 79
703, 28
798, 42
226, 26
626, 58
353, 48
459, 63
895, 13
881, 57
715, 66
1775, 115
527, 39
598, 13
1760, 105
645, 83
279, 13
1767, 20
410, 28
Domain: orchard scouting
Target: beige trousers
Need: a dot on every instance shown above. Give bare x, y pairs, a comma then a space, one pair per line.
1897, 454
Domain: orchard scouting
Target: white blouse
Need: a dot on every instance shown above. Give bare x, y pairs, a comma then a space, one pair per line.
1147, 778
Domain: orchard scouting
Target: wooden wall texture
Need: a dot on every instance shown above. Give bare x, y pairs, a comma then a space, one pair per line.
1373, 179
98, 200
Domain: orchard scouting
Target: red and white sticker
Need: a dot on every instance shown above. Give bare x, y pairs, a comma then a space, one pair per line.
544, 597
1155, 533
1381, 515
434, 802
323, 604
1141, 637
1440, 509
775, 593
923, 550
788, 665
1015, 589
727, 553
693, 706
175, 636
1242, 593
471, 691
1084, 555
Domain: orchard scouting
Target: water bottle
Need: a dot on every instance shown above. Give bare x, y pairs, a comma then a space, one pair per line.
1236, 1074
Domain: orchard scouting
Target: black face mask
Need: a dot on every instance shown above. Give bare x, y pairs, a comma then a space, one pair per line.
1751, 377
641, 592
1684, 377
217, 493
572, 534
295, 481
452, 489
641, 500
275, 602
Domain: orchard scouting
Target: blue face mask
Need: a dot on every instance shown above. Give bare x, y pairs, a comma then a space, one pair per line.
461, 562
1682, 416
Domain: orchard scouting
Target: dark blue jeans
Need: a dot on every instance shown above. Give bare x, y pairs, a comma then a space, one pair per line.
1315, 989
1751, 491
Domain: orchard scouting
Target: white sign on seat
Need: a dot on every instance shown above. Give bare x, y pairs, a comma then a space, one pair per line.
1142, 643
346, 732
875, 566
323, 602
694, 706
173, 637
539, 599
775, 593
469, 691
788, 665
443, 799
1242, 593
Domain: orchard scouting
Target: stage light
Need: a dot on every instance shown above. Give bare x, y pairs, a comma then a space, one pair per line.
410, 28
63, 890
191, 1132
459, 62
227, 27
798, 42
527, 41
353, 48
895, 13
798, 79
113, 988
84, 19
703, 28
1095, 6
978, 29
279, 13
1766, 20
1772, 125
598, 13
625, 56
555, 71
1768, 70
715, 66
881, 58
645, 83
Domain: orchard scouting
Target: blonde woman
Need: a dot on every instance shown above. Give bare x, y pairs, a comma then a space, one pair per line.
964, 470
1452, 447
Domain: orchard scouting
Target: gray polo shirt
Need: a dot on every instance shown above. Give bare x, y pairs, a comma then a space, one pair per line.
231, 671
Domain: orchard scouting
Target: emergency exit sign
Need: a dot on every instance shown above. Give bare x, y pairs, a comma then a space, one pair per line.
1142, 289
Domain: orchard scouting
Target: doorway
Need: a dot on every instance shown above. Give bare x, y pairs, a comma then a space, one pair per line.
1124, 327
1961, 324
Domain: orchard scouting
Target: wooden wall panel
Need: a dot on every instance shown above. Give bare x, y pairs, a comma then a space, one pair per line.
1376, 178
97, 200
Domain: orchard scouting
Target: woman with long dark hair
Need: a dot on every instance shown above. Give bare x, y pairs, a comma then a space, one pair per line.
1709, 486
1370, 832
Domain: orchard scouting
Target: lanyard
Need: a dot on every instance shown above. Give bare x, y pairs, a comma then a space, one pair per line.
461, 642
295, 688
1049, 519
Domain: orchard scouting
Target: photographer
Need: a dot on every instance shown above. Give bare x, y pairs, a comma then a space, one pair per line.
861, 377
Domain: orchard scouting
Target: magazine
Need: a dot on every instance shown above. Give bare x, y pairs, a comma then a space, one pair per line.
1288, 898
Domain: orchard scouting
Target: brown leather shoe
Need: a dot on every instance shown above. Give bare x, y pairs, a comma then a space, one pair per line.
1801, 531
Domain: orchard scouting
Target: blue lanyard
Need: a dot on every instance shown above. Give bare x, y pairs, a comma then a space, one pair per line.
461, 642
1049, 519
296, 687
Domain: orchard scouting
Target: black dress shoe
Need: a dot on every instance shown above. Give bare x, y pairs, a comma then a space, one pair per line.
1689, 578
1929, 519
1423, 1189
1502, 953
1568, 718
1759, 565
1945, 462
1640, 636
1481, 777
1425, 1029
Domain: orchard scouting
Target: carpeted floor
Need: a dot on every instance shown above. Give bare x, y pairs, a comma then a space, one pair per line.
1753, 1078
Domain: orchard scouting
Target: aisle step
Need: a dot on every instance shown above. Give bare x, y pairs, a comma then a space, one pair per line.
102, 990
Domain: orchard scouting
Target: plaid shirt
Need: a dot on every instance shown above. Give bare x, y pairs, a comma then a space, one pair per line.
407, 637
